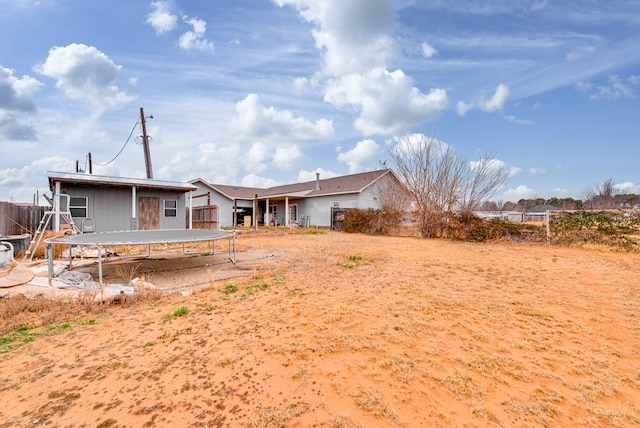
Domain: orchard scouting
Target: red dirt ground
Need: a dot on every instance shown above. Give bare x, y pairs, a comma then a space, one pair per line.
346, 330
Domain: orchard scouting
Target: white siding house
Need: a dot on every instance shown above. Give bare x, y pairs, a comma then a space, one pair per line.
316, 203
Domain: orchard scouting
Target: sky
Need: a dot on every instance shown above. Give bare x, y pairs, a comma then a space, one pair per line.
266, 92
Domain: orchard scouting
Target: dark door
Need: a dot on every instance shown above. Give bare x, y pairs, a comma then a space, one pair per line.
148, 213
337, 218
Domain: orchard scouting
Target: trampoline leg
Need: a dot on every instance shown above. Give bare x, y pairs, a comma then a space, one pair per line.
49, 253
233, 259
100, 265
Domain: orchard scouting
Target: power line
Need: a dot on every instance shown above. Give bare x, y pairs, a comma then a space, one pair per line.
125, 145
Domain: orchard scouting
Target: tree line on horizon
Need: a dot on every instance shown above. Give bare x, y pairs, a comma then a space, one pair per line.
599, 197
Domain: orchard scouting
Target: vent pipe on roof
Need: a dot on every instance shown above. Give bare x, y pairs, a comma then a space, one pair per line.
317, 181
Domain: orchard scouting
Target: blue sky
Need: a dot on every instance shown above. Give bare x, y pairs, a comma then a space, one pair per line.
259, 93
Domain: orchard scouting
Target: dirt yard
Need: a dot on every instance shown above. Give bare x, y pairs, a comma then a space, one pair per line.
341, 330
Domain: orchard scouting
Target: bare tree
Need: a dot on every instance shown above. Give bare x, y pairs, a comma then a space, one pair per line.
440, 181
393, 200
601, 196
483, 179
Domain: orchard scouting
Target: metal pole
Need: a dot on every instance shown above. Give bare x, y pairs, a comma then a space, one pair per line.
49, 253
100, 265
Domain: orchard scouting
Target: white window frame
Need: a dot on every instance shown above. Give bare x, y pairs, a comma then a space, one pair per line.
168, 209
74, 206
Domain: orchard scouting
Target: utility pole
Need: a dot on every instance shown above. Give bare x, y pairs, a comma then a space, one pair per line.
145, 144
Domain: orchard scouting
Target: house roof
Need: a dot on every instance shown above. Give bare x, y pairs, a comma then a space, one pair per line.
345, 184
108, 181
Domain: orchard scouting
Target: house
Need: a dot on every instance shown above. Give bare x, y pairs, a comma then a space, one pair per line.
321, 202
105, 203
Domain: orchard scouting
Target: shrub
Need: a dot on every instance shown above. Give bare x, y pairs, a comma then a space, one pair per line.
372, 221
468, 227
612, 228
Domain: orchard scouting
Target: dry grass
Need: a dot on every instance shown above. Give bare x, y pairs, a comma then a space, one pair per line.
415, 332
41, 311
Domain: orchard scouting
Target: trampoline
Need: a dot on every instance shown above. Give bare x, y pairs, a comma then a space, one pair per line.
102, 240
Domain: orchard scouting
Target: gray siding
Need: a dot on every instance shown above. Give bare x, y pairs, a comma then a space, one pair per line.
111, 207
319, 209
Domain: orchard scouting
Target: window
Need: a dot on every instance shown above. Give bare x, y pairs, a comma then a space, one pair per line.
273, 209
170, 208
293, 213
78, 206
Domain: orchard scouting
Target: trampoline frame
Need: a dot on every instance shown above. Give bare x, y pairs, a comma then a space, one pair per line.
102, 240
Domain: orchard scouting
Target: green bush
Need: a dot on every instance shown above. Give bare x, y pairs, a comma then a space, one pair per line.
468, 227
612, 228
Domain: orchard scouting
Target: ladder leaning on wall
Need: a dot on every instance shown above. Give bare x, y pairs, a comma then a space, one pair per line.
56, 210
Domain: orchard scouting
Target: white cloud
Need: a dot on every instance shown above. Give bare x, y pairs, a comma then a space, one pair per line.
388, 101
538, 171
195, 40
360, 156
16, 97
16, 93
160, 18
287, 157
354, 35
12, 129
516, 120
406, 142
617, 88
496, 164
213, 162
517, 193
19, 181
497, 101
256, 157
85, 73
427, 50
304, 176
268, 124
356, 38
492, 105
627, 187
253, 180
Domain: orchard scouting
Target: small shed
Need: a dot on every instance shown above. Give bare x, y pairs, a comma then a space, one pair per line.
110, 204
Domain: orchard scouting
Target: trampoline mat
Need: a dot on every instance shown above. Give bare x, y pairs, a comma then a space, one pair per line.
135, 237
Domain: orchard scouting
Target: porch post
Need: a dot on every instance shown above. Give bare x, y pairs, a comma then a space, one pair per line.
190, 210
134, 209
286, 211
56, 208
255, 211
235, 213
267, 219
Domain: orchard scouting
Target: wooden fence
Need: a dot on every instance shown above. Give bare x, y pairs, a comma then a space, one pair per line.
204, 217
19, 219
